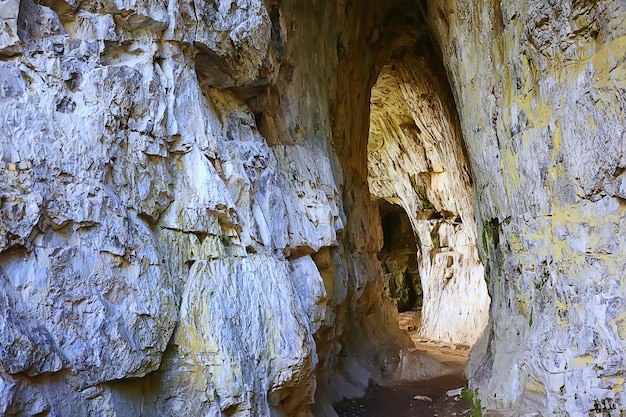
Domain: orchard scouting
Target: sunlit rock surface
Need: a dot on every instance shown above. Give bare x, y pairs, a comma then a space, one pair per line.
540, 92
186, 225
416, 160
173, 236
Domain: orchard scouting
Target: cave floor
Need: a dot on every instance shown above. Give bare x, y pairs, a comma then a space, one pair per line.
402, 399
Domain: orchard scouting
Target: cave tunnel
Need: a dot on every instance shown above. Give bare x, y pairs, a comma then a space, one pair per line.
419, 177
398, 257
419, 184
407, 147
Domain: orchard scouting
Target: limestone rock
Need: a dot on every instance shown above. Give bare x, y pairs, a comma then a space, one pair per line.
540, 96
8, 28
242, 343
27, 347
231, 38
185, 219
92, 299
417, 366
138, 195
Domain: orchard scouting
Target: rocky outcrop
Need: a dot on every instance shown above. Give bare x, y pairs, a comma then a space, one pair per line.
172, 228
539, 87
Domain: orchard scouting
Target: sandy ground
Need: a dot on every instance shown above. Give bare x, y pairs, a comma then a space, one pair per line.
411, 399
454, 355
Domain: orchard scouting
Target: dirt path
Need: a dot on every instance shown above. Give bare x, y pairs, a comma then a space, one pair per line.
398, 399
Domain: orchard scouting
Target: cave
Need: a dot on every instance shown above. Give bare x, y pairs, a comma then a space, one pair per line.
199, 202
398, 257
419, 177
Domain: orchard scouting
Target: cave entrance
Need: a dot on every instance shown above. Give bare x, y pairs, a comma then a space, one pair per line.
398, 257
419, 176
416, 238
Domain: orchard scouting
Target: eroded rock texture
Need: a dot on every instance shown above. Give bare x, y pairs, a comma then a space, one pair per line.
398, 257
173, 233
186, 226
416, 160
540, 91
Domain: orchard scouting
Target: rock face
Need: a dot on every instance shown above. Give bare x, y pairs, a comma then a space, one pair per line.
540, 92
172, 227
398, 257
186, 224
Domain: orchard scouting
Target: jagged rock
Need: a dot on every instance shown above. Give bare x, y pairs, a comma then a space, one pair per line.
231, 39
130, 181
8, 28
186, 225
242, 342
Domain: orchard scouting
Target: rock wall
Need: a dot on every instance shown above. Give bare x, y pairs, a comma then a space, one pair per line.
416, 160
398, 257
171, 212
540, 92
186, 225
175, 237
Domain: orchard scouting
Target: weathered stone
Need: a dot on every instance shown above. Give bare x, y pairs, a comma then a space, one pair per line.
539, 86
9, 40
167, 169
415, 366
26, 346
231, 39
416, 160
243, 362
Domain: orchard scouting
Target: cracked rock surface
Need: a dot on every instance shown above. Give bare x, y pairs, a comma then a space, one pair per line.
540, 92
186, 224
171, 213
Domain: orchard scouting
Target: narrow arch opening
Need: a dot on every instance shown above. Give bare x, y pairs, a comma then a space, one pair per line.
398, 258
419, 176
401, 146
